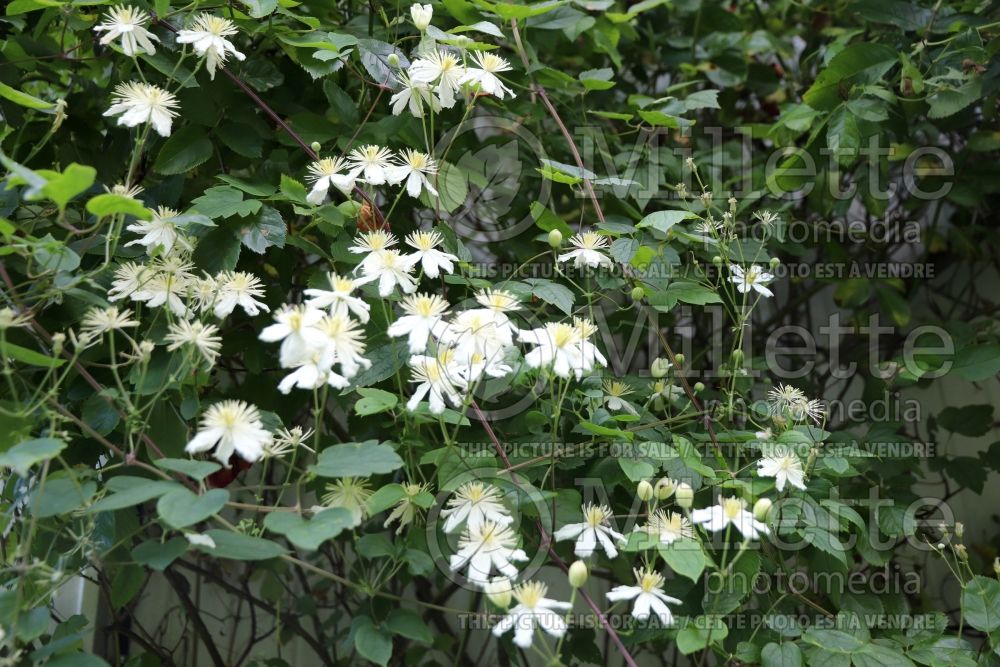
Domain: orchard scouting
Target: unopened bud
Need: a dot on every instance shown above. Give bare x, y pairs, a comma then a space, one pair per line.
761, 509
555, 238
499, 591
638, 293
774, 263
664, 488
421, 15
644, 490
961, 552
392, 60
940, 545
684, 495
58, 340
737, 357
717, 260
699, 387
959, 530
996, 566
811, 459
659, 368
577, 574
679, 358
315, 146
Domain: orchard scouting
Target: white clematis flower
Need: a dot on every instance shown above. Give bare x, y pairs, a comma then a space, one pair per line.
421, 15
443, 72
414, 168
159, 232
729, 511
324, 173
533, 610
590, 247
372, 163
295, 327
753, 278
128, 23
414, 95
475, 503
238, 288
484, 548
667, 527
208, 37
566, 348
338, 298
593, 531
648, 595
437, 380
136, 103
784, 466
390, 269
432, 261
228, 427
485, 76
423, 313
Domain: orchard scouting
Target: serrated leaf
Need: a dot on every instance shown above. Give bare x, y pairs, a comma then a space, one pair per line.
186, 148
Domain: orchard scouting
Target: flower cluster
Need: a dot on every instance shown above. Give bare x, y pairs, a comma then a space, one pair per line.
438, 75
372, 165
135, 102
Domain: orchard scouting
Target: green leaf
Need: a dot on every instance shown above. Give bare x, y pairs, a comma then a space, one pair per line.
157, 556
407, 623
558, 295
977, 362
76, 178
263, 230
260, 8
293, 190
859, 63
61, 496
236, 546
134, 494
696, 635
30, 357
356, 459
685, 557
981, 603
186, 148
181, 508
310, 534
660, 119
786, 654
664, 220
53, 255
109, 204
76, 660
879, 655
224, 201
372, 643
374, 401
949, 101
22, 456
386, 360
834, 641
24, 99
198, 470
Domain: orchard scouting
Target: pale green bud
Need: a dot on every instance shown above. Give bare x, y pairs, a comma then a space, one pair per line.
644, 490
555, 238
761, 509
577, 574
684, 495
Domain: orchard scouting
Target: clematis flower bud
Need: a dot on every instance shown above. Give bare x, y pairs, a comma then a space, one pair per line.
684, 495
421, 15
664, 488
499, 591
644, 490
761, 509
555, 238
577, 574
659, 367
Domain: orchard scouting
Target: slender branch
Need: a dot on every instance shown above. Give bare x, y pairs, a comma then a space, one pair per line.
179, 584
263, 106
546, 541
543, 94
